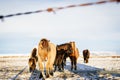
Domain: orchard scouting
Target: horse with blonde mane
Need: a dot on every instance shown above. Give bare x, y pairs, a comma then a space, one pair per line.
46, 54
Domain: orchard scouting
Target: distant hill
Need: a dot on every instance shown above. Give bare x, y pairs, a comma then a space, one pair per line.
104, 53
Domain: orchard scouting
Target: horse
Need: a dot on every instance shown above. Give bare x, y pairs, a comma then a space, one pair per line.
74, 56
33, 60
67, 50
86, 55
59, 60
46, 54
72, 52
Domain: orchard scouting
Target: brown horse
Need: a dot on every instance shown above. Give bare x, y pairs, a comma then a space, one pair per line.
66, 48
86, 55
74, 56
72, 52
59, 60
46, 54
33, 60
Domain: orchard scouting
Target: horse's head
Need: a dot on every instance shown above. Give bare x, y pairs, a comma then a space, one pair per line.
44, 43
32, 64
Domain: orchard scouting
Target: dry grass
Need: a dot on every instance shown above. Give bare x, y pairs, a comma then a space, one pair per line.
99, 67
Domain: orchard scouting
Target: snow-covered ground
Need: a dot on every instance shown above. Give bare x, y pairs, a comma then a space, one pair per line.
98, 68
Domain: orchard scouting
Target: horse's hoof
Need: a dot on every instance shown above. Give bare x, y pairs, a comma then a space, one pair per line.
54, 69
51, 73
40, 75
47, 75
75, 68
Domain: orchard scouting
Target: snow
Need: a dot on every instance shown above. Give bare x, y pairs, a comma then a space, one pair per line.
102, 68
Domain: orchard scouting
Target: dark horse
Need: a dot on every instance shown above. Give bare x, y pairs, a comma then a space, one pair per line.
33, 60
86, 55
70, 51
63, 51
59, 60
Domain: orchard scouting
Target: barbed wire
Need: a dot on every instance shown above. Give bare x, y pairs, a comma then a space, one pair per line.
57, 8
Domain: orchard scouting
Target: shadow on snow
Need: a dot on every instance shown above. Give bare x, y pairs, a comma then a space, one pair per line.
83, 70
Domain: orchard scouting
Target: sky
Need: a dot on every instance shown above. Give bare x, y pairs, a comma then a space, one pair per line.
95, 27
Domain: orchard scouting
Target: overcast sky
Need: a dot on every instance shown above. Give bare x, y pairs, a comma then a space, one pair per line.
95, 27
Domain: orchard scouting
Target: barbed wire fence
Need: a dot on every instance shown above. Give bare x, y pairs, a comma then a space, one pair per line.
58, 8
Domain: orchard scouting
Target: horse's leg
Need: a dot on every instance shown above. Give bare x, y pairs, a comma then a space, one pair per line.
72, 65
55, 68
62, 65
59, 66
47, 69
55, 65
64, 61
87, 60
75, 64
42, 70
51, 70
84, 60
71, 58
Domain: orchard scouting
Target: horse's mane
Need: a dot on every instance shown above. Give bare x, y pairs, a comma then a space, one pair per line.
73, 44
44, 43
